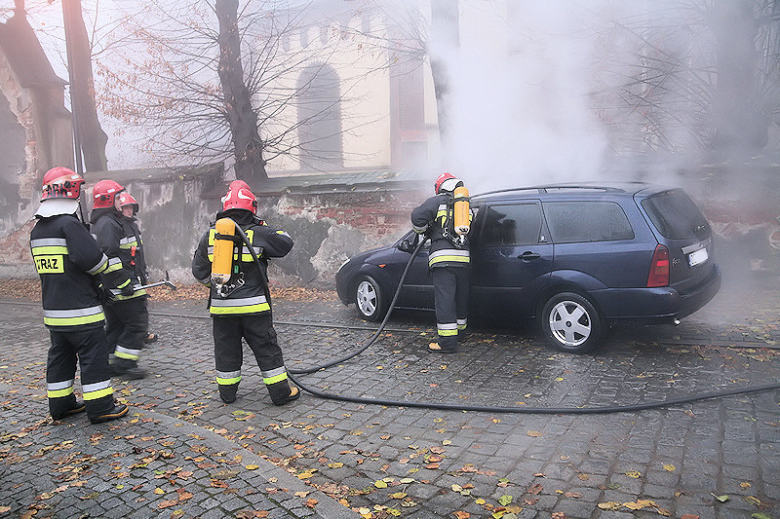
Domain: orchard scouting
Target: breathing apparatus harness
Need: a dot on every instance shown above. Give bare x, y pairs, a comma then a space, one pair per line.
459, 407
225, 275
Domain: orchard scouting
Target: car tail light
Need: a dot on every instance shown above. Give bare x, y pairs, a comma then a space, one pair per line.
659, 268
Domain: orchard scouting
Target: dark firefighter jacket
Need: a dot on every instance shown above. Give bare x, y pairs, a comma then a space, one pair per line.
118, 240
138, 259
69, 263
245, 293
431, 218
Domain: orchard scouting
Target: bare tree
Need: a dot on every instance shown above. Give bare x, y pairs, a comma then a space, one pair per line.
218, 81
703, 76
247, 146
90, 138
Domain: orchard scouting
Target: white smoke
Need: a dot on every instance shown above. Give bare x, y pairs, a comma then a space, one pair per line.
518, 107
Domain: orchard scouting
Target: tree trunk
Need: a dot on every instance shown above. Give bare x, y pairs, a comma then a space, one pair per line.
445, 36
86, 125
740, 122
248, 147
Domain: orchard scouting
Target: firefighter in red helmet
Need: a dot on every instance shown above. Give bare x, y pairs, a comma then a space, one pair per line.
239, 301
69, 263
129, 207
127, 317
448, 260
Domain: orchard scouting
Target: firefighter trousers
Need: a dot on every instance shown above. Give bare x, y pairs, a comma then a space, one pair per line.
451, 297
127, 325
87, 348
259, 333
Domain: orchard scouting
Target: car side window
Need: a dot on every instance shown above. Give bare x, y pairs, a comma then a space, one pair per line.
511, 224
572, 222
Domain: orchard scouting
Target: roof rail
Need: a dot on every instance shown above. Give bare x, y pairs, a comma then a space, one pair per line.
567, 186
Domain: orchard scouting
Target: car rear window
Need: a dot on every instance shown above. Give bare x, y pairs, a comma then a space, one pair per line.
508, 225
675, 215
572, 222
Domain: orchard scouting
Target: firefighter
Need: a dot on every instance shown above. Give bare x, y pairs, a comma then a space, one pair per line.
69, 263
448, 260
129, 207
127, 317
239, 302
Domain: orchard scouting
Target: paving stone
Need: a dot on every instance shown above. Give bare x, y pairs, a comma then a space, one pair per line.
715, 445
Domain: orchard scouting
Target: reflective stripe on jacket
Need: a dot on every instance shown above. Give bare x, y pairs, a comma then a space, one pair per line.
247, 294
431, 217
68, 261
119, 240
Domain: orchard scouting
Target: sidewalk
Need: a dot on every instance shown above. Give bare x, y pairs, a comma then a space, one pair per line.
182, 453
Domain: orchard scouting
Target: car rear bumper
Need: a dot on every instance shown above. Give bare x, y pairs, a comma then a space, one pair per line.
656, 305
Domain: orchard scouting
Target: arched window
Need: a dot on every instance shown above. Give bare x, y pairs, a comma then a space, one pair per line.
319, 118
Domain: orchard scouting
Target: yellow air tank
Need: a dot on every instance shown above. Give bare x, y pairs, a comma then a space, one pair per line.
461, 211
222, 266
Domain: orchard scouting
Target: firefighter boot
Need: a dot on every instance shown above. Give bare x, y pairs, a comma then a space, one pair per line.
283, 393
228, 393
435, 347
126, 368
78, 407
118, 411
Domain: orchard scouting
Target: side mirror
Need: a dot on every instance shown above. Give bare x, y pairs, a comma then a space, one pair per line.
406, 246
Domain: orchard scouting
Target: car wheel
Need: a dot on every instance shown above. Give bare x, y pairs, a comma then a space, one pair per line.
571, 323
369, 299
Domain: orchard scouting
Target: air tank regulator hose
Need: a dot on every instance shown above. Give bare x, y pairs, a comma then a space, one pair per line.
460, 407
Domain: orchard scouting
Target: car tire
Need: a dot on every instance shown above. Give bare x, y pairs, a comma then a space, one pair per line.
369, 299
571, 323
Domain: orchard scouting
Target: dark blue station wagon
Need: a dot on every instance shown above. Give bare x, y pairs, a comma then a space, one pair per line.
577, 258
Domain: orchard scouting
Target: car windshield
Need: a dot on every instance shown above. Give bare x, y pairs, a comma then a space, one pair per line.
675, 215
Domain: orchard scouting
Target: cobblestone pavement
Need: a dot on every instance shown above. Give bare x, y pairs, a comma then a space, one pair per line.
182, 453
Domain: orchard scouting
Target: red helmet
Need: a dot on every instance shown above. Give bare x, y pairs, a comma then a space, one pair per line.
239, 196
446, 182
126, 198
104, 192
61, 182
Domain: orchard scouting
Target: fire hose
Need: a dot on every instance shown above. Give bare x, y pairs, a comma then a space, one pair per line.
488, 409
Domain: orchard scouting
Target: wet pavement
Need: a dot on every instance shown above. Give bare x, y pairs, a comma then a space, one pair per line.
548, 440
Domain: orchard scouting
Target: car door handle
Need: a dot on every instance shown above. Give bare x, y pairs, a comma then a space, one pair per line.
528, 256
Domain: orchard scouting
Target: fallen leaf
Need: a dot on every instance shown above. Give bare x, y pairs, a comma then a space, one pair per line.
639, 504
535, 489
